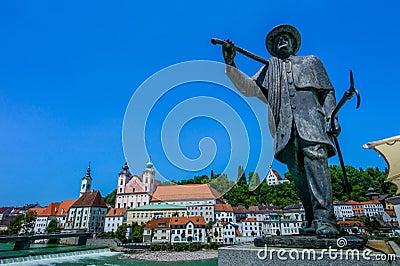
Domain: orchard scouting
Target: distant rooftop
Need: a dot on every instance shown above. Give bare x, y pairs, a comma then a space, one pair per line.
156, 207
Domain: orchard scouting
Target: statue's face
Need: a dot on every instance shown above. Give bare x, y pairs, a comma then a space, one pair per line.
284, 45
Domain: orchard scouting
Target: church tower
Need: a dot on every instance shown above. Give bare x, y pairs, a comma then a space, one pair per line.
148, 178
86, 182
123, 178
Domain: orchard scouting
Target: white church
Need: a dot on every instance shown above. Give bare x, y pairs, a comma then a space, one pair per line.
135, 191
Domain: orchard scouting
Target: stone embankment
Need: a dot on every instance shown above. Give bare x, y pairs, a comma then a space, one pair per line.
168, 256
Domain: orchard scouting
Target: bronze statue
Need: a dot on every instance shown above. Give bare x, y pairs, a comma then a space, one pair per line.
301, 99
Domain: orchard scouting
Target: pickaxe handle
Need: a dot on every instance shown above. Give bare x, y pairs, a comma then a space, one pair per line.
240, 50
347, 96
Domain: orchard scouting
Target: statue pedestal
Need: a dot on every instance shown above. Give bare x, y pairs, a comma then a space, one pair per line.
300, 241
268, 255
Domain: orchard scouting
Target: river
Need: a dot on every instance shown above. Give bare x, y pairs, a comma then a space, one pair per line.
50, 255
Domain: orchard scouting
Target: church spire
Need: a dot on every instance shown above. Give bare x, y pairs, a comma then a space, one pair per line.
86, 182
87, 176
149, 164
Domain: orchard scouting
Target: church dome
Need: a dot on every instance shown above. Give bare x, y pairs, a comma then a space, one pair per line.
149, 164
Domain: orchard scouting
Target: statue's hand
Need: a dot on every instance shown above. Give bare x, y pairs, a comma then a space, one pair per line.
229, 53
333, 131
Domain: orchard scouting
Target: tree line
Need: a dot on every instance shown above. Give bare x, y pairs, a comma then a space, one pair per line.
249, 190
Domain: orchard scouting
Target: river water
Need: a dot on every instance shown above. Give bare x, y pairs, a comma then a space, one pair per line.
50, 255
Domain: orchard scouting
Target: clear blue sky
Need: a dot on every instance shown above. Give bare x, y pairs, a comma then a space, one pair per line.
68, 70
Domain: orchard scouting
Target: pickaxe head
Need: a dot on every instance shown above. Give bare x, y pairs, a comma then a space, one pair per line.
354, 90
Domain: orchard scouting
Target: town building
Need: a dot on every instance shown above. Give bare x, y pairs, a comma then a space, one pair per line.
372, 194
343, 210
395, 202
188, 229
4, 212
145, 213
353, 227
157, 231
87, 213
390, 218
216, 234
373, 208
224, 212
230, 233
274, 178
114, 219
55, 210
250, 228
135, 191
358, 209
240, 213
198, 198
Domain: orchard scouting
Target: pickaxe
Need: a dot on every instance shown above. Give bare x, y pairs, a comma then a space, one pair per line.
240, 50
347, 96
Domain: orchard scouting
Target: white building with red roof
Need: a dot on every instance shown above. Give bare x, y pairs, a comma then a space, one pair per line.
199, 198
87, 213
55, 210
274, 178
224, 213
250, 228
157, 231
188, 229
114, 218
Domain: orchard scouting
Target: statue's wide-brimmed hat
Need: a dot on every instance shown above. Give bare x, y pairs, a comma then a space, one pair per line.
281, 29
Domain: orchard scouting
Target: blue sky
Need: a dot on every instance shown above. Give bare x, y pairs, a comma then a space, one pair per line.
69, 69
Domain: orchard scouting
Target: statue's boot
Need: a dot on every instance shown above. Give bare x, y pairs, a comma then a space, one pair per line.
308, 230
324, 228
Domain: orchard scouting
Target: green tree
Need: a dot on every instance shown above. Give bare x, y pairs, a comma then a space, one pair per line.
28, 223
137, 233
53, 227
121, 233
110, 198
15, 225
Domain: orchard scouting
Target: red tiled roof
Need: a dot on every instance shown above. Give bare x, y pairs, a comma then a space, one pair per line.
4, 209
238, 232
54, 209
64, 206
38, 210
240, 210
223, 208
277, 174
371, 202
391, 213
116, 212
249, 220
197, 220
184, 192
90, 199
159, 223
353, 202
350, 223
253, 209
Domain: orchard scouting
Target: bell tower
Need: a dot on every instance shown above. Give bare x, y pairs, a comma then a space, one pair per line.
123, 178
86, 184
149, 178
